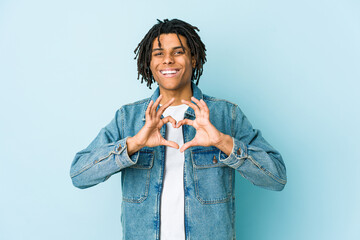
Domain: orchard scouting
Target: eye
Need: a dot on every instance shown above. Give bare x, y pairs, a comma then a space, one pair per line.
179, 52
158, 54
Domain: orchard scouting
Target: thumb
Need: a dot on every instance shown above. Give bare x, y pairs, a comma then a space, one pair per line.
187, 145
169, 143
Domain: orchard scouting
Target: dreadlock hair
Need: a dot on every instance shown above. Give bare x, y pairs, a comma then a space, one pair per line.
144, 50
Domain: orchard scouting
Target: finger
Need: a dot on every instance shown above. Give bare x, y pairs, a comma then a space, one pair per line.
187, 145
169, 143
154, 107
203, 111
168, 119
163, 107
205, 105
193, 106
184, 121
148, 108
197, 102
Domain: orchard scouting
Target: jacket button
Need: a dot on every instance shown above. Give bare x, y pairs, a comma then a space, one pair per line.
119, 148
239, 151
215, 160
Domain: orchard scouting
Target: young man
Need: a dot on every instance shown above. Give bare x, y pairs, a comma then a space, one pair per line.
178, 150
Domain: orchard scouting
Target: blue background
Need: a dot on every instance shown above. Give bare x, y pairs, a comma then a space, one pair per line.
292, 66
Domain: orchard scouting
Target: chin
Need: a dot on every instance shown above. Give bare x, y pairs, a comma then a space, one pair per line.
169, 85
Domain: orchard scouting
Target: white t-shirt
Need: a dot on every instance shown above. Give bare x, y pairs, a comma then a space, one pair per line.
172, 198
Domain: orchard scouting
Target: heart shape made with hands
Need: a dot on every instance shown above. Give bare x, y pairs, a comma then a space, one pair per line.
206, 134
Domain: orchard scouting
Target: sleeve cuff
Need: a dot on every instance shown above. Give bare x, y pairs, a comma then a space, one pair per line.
122, 157
237, 155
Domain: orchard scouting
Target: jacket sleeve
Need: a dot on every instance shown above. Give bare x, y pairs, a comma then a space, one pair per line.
252, 156
105, 156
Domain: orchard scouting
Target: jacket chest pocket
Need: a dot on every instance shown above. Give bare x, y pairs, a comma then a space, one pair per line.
213, 179
136, 179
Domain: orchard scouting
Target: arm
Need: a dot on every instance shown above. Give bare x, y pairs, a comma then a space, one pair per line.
110, 151
107, 154
246, 150
252, 156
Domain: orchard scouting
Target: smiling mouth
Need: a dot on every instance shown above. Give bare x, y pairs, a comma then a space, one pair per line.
169, 73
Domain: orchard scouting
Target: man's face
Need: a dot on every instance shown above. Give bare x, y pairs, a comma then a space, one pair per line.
170, 65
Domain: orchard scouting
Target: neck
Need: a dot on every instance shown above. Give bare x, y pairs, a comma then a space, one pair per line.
179, 94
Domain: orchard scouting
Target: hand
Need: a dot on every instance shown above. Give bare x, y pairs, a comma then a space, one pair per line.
206, 133
149, 135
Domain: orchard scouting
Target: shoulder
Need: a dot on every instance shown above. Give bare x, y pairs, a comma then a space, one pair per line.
223, 107
139, 102
136, 104
133, 109
218, 101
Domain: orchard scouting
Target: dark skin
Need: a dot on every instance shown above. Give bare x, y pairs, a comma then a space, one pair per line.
171, 67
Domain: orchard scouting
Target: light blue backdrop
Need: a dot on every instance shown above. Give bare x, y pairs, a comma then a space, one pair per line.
292, 66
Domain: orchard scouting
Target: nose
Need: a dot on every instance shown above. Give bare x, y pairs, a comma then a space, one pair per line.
168, 59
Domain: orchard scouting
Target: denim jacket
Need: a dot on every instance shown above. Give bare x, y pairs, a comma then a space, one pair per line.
209, 174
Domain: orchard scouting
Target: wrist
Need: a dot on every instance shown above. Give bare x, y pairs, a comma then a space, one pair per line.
225, 144
133, 145
134, 140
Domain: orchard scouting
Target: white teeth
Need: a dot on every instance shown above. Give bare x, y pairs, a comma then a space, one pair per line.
169, 72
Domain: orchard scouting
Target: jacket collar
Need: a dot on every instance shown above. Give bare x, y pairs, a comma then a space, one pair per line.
196, 93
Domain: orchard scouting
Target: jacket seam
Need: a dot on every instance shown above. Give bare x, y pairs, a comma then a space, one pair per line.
267, 172
214, 99
122, 122
91, 165
233, 120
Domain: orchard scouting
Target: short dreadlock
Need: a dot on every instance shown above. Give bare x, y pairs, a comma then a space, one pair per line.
144, 49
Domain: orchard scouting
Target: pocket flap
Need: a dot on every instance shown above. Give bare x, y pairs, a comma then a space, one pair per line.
206, 157
145, 160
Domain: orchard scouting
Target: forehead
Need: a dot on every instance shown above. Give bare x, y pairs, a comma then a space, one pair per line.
169, 40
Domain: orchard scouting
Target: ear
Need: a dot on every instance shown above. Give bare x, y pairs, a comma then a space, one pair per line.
193, 61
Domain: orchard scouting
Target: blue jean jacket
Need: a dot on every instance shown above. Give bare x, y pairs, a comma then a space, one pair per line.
209, 174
